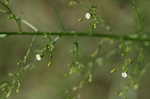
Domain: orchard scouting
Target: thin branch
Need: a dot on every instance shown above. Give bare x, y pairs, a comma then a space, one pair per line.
29, 25
3, 4
83, 34
13, 16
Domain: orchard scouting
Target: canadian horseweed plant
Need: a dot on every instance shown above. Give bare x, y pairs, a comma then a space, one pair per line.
131, 65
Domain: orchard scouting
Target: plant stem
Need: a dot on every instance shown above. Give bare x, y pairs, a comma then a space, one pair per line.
29, 25
11, 13
83, 34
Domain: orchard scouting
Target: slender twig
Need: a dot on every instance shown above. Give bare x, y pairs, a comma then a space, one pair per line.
17, 19
29, 25
83, 34
11, 13
3, 4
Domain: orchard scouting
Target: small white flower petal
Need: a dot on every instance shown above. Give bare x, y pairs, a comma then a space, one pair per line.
124, 74
38, 57
87, 15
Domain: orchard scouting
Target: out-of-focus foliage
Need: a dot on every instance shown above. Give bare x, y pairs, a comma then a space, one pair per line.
74, 67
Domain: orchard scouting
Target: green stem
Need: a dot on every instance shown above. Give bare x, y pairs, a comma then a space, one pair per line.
11, 13
83, 34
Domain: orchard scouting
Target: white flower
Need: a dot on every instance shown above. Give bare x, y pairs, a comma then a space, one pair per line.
38, 57
124, 74
87, 15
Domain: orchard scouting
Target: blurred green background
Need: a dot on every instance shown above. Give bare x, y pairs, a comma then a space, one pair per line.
50, 83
